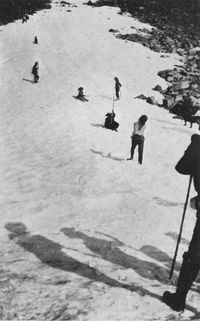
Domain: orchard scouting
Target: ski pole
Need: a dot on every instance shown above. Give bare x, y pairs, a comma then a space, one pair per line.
113, 106
181, 228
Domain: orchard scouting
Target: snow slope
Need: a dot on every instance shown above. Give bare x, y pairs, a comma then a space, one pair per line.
101, 230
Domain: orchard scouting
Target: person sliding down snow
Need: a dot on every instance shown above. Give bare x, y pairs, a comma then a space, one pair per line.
81, 95
35, 72
110, 123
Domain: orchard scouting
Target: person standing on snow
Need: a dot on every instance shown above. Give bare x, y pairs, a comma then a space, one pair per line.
189, 164
35, 72
117, 87
187, 108
36, 40
25, 18
138, 138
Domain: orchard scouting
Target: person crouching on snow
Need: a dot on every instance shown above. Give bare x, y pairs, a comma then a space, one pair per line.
81, 95
138, 138
110, 122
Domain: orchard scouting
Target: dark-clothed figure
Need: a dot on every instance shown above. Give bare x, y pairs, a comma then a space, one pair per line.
35, 72
187, 109
117, 87
36, 40
110, 122
25, 18
138, 138
81, 95
189, 164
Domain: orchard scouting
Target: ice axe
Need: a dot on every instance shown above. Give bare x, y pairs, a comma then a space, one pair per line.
181, 228
113, 106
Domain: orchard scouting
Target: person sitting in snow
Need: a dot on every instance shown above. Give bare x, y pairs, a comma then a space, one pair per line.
35, 72
81, 95
189, 164
110, 122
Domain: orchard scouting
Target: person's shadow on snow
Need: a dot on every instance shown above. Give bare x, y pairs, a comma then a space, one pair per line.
28, 80
158, 255
119, 159
174, 237
51, 253
98, 125
109, 250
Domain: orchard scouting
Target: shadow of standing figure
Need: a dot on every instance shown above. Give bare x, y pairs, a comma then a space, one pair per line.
51, 253
109, 251
119, 159
158, 255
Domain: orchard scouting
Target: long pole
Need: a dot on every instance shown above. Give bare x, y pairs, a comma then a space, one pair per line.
113, 106
181, 228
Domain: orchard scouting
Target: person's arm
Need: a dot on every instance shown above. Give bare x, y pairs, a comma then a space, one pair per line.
135, 128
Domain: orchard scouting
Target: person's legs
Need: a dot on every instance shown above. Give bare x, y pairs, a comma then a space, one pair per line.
134, 144
140, 151
117, 93
188, 273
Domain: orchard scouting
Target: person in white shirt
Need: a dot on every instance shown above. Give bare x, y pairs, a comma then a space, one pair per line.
138, 138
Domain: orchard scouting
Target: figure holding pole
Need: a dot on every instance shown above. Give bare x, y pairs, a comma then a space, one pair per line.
189, 164
117, 87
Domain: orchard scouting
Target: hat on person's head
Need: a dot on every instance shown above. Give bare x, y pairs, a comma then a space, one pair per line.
143, 118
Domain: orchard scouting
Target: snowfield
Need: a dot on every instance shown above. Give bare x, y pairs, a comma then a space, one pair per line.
86, 235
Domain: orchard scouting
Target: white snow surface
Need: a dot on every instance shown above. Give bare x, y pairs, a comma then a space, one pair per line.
102, 230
